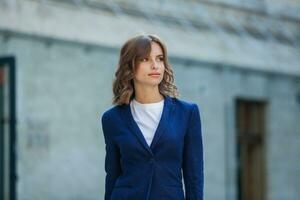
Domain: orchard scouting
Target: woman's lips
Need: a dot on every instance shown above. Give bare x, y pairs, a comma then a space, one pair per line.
154, 75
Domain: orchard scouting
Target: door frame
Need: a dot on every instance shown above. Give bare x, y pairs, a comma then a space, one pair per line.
10, 63
264, 103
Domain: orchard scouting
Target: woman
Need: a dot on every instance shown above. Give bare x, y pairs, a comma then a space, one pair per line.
151, 135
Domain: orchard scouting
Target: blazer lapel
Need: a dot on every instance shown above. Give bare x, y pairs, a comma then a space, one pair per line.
166, 113
163, 123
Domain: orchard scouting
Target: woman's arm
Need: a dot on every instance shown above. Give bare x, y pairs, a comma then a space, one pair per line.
193, 158
112, 158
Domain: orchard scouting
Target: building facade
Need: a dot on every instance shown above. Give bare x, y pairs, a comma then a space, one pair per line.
238, 60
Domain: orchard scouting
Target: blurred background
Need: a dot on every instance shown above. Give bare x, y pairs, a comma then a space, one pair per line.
239, 60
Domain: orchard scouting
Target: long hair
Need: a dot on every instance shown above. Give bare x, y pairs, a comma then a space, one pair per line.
131, 52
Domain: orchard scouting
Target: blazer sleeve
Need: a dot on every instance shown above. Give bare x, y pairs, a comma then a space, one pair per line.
112, 158
193, 158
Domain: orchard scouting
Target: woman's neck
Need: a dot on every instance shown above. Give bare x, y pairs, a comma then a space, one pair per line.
148, 96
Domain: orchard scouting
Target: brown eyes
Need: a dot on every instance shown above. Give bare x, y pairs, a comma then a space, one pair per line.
146, 59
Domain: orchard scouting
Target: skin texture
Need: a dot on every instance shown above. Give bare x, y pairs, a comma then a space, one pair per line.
146, 86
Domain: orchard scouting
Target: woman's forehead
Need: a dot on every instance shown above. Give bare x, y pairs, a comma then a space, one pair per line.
156, 49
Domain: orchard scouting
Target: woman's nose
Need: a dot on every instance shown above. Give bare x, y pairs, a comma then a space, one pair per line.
153, 64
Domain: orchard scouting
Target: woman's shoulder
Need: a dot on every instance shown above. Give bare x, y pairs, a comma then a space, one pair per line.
111, 112
187, 106
184, 103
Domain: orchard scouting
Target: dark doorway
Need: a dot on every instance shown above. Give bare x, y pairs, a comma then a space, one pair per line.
7, 129
250, 121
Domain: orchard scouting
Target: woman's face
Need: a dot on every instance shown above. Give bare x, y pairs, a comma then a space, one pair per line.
150, 70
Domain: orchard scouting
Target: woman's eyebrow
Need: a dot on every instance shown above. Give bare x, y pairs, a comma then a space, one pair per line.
159, 55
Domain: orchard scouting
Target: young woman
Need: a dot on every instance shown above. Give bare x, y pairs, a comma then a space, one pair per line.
152, 138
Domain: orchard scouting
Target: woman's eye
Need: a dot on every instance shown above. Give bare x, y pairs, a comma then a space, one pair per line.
160, 58
146, 59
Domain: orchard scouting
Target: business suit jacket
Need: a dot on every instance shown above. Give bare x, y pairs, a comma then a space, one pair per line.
135, 171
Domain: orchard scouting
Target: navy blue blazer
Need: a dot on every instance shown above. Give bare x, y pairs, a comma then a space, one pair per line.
135, 171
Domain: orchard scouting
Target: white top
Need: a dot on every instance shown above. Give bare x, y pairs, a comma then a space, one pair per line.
147, 117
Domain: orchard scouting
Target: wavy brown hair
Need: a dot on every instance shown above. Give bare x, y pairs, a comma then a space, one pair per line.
131, 52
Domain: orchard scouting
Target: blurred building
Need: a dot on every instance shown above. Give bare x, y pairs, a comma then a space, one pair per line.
239, 60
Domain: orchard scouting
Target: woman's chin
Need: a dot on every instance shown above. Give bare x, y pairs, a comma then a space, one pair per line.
154, 83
